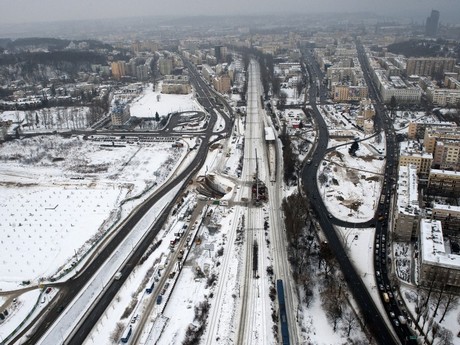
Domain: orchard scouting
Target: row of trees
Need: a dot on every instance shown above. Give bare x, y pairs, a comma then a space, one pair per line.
436, 299
314, 263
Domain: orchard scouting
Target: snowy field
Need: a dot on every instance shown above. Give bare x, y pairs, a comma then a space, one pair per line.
61, 195
350, 185
154, 101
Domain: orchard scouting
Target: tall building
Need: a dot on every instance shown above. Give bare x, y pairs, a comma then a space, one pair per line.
118, 69
222, 83
429, 66
220, 53
165, 66
432, 23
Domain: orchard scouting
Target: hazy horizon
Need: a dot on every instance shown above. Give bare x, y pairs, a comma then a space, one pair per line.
36, 12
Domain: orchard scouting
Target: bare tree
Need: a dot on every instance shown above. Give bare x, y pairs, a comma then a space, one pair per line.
445, 336
420, 306
449, 302
332, 304
117, 332
430, 290
439, 297
350, 322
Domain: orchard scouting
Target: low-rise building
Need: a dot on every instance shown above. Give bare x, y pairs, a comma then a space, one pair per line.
176, 84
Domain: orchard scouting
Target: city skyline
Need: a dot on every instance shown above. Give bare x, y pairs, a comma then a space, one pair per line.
29, 11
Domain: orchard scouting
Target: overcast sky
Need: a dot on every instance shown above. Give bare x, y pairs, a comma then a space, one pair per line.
27, 11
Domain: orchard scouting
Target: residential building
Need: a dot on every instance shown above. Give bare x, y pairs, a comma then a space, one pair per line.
416, 129
142, 72
444, 183
406, 208
178, 84
447, 154
347, 93
403, 91
430, 66
120, 115
207, 72
222, 83
220, 53
165, 65
449, 216
412, 153
118, 69
438, 262
436, 133
443, 97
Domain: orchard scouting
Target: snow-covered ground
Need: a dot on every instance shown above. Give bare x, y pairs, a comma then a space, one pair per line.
350, 185
57, 118
151, 102
71, 197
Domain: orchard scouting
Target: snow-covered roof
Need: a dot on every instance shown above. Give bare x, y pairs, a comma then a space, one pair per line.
413, 148
447, 208
407, 200
434, 250
444, 172
269, 134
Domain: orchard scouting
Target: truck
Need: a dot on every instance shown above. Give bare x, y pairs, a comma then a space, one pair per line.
118, 275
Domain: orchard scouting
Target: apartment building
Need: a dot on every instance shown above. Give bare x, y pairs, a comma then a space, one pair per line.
395, 86
176, 84
416, 129
222, 83
443, 97
437, 133
406, 208
120, 115
444, 183
412, 154
447, 154
437, 262
347, 93
165, 65
449, 216
434, 67
119, 69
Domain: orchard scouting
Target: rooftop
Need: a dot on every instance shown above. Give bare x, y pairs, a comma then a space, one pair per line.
434, 250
